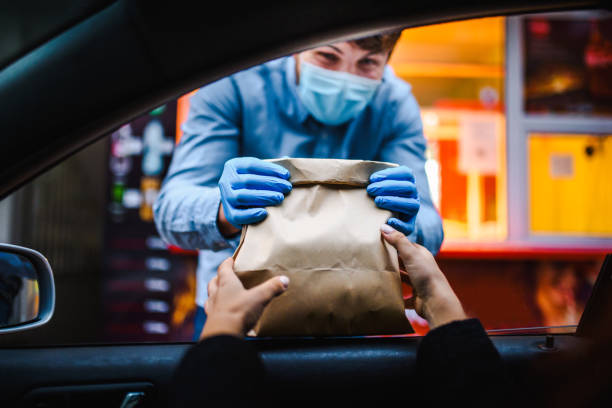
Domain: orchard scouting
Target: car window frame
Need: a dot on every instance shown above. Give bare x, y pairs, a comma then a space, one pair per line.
66, 155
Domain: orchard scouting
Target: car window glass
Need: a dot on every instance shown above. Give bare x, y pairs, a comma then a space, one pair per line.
516, 162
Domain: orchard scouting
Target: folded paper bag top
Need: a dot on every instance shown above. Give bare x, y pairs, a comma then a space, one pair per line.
325, 236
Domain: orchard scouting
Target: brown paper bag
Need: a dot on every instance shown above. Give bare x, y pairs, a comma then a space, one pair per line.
325, 237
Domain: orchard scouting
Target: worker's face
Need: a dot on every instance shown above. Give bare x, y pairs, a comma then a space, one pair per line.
347, 57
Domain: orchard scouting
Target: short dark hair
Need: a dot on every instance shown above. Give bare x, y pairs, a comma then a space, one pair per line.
380, 42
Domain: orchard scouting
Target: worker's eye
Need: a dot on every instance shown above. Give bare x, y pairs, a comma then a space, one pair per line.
369, 62
328, 57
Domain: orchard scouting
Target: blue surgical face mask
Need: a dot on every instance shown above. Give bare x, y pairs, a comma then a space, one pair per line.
334, 97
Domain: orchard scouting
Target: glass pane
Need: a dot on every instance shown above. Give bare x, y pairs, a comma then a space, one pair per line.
456, 71
568, 63
570, 186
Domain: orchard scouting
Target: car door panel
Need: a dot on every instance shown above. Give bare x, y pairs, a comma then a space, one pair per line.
334, 367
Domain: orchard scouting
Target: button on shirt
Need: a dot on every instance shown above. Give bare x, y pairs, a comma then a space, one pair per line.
257, 112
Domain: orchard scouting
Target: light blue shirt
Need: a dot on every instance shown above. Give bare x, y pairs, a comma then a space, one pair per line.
257, 112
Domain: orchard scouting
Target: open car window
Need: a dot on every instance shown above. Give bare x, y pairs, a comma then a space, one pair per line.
516, 112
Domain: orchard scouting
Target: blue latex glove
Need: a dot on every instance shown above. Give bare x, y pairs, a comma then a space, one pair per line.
247, 185
394, 190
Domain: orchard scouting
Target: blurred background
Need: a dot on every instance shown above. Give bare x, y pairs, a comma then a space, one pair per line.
518, 116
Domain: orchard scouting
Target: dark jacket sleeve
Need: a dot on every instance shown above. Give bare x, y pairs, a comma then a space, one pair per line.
457, 363
222, 369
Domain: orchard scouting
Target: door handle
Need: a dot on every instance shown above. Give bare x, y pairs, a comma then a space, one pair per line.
133, 399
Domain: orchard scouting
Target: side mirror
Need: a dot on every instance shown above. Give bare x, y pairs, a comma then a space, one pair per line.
27, 292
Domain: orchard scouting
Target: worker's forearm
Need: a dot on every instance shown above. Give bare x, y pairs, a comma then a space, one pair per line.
428, 229
186, 216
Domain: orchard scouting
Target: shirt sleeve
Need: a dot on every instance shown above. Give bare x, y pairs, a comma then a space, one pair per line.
457, 362
219, 371
405, 145
186, 209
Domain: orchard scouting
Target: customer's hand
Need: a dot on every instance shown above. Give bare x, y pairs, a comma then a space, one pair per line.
247, 185
232, 309
433, 296
394, 189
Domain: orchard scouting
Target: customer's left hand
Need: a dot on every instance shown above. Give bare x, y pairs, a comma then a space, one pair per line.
232, 309
394, 189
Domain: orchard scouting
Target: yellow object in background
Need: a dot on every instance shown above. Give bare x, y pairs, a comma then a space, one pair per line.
570, 184
149, 189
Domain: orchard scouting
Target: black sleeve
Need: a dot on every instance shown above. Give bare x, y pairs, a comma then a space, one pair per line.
223, 370
457, 363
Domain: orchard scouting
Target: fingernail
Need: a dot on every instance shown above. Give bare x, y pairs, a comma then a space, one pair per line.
386, 229
285, 281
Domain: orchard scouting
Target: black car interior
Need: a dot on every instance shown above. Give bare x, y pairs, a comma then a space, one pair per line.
42, 82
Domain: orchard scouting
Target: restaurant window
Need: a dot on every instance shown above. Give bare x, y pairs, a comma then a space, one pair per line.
516, 114
457, 75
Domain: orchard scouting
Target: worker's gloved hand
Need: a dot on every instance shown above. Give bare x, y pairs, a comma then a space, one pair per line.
394, 189
248, 185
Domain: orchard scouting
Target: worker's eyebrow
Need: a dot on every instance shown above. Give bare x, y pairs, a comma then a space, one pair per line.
335, 48
371, 53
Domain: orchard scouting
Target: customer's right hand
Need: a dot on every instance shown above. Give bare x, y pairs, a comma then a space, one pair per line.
232, 309
248, 185
433, 297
